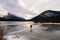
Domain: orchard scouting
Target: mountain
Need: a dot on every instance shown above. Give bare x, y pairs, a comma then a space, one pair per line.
1, 18
11, 17
47, 16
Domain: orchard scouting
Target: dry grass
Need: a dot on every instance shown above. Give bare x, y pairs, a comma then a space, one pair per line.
2, 32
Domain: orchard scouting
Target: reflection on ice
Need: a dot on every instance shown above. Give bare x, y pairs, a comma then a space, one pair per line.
51, 27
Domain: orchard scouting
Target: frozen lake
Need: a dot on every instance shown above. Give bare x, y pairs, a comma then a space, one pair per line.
21, 31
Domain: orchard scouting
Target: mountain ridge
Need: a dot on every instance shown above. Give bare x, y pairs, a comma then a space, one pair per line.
47, 16
11, 17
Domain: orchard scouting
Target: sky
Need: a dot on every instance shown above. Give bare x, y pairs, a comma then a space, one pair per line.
27, 8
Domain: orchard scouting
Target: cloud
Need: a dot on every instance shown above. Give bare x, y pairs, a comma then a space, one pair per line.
32, 4
32, 8
38, 6
3, 11
13, 7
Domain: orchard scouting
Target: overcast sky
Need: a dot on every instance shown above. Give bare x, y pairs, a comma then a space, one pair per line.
27, 8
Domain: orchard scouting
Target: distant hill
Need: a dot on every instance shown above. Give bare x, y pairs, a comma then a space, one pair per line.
47, 16
11, 17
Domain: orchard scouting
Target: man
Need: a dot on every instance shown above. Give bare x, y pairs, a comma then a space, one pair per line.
30, 28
